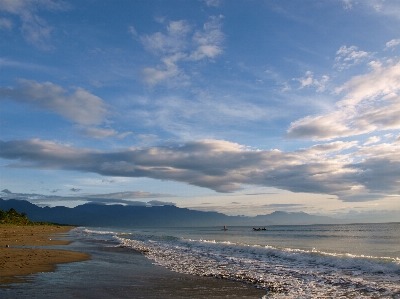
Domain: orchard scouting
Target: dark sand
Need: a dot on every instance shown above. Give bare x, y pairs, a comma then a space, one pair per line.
114, 272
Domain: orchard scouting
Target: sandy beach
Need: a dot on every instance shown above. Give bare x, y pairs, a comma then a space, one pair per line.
111, 271
21, 253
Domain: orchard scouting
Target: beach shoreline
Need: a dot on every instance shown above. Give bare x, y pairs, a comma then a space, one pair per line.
114, 271
24, 251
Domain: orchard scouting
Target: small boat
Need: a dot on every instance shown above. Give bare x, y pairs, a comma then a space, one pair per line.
258, 229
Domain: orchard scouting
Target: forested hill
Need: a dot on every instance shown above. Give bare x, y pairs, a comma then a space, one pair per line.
12, 217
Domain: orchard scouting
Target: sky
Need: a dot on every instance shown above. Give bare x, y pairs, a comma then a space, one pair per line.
240, 107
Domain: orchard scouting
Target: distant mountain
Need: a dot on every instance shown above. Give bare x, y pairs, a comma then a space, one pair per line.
119, 215
294, 218
126, 216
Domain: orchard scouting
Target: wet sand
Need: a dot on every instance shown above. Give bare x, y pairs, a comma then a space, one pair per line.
117, 272
22, 254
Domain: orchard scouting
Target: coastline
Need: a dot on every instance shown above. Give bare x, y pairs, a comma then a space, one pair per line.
117, 272
22, 252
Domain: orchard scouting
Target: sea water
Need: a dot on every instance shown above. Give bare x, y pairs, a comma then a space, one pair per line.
305, 261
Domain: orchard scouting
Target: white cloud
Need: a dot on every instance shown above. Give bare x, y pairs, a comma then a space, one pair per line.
169, 69
370, 104
371, 140
79, 106
209, 40
308, 80
305, 81
178, 28
320, 127
392, 43
153, 76
203, 51
381, 81
172, 42
176, 45
349, 56
382, 150
328, 148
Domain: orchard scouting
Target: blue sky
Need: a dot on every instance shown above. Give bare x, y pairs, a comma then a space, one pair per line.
241, 107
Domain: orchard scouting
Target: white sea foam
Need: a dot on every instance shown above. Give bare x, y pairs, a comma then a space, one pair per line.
283, 272
98, 235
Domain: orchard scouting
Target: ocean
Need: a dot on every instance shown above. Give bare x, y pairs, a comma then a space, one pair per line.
302, 261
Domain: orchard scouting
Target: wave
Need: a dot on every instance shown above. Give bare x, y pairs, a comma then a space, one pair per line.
282, 272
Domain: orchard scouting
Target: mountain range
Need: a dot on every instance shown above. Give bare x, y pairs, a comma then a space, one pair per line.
91, 214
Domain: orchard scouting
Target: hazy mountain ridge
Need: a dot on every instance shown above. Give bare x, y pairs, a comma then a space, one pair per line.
118, 215
279, 217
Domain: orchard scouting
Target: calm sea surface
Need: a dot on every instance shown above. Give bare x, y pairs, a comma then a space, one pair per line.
310, 261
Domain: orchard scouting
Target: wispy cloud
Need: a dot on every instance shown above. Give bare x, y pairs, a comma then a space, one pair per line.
327, 148
197, 118
34, 29
100, 133
387, 7
308, 81
349, 56
208, 40
392, 43
371, 104
181, 43
132, 30
347, 4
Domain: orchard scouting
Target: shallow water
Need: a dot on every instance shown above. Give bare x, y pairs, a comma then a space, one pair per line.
115, 272
328, 261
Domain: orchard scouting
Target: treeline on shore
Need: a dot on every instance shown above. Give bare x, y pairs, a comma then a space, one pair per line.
12, 217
